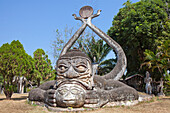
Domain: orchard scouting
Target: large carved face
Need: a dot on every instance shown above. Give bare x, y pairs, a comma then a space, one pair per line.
75, 68
70, 95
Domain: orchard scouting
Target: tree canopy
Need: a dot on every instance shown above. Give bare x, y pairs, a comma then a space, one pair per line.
14, 61
139, 26
159, 60
43, 68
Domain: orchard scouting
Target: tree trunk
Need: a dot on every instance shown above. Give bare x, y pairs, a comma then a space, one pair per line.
8, 94
38, 82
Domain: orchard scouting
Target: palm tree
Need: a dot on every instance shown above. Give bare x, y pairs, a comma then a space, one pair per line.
106, 66
97, 51
160, 59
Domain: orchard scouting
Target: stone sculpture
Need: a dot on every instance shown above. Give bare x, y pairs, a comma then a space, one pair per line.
21, 82
148, 81
76, 86
160, 88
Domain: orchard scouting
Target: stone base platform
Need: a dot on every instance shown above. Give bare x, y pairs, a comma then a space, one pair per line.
69, 109
142, 97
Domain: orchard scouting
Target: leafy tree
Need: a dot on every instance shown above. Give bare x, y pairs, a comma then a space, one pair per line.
106, 66
30, 66
139, 26
160, 59
1, 82
13, 62
43, 68
61, 40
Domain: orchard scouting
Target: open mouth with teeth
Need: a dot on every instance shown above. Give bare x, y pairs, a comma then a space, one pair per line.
73, 82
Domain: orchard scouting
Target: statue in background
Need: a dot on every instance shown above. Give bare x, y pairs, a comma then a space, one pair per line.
148, 81
76, 86
21, 82
160, 88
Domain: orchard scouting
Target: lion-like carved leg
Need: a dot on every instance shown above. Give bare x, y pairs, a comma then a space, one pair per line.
96, 98
111, 90
100, 97
36, 94
50, 97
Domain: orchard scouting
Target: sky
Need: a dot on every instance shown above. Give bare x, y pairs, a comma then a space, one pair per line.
34, 22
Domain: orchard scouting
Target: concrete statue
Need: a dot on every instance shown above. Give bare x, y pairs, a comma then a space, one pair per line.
21, 82
148, 81
160, 88
76, 84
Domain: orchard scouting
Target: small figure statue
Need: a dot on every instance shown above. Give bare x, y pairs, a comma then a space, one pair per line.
95, 66
148, 81
160, 88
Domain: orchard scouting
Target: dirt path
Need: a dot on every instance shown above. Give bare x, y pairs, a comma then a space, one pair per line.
18, 104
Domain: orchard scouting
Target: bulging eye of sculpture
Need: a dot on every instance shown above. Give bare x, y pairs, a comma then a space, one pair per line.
62, 68
81, 68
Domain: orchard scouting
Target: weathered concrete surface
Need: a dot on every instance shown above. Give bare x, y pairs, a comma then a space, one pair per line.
74, 70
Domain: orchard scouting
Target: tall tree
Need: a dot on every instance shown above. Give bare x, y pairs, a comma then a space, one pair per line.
13, 62
43, 68
137, 27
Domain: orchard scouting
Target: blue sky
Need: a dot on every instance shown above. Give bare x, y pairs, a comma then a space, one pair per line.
34, 22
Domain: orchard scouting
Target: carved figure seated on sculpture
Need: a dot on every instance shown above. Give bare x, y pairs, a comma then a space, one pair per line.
148, 81
74, 70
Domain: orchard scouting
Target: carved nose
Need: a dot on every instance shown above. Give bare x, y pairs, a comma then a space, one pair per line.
71, 73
